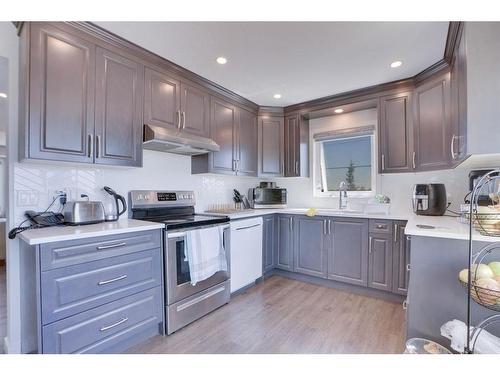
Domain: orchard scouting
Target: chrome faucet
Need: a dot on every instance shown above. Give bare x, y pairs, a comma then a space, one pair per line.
342, 197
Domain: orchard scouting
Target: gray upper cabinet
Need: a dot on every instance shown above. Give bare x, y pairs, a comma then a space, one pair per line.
118, 109
246, 145
195, 110
296, 152
284, 250
401, 259
60, 124
458, 85
161, 99
395, 138
223, 132
271, 143
348, 253
432, 124
269, 242
380, 261
310, 246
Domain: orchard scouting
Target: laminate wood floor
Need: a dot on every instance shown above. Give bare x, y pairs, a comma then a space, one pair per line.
281, 315
3, 307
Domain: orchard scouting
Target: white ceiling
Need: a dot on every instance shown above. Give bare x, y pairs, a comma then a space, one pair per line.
300, 60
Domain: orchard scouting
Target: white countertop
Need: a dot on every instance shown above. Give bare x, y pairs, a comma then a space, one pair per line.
445, 227
302, 211
63, 233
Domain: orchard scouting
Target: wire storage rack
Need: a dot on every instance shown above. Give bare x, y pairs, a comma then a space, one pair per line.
486, 220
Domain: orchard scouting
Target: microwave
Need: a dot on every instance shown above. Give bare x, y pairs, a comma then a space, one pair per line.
267, 197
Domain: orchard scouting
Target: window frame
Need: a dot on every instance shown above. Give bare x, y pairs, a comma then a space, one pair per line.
319, 170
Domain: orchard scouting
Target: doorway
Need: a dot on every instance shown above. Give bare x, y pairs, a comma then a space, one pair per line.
4, 97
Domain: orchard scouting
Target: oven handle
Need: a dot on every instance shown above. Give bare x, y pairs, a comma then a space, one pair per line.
183, 234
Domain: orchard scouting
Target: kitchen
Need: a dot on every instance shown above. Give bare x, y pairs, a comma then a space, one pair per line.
333, 242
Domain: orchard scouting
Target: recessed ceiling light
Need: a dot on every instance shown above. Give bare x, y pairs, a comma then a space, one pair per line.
277, 96
3, 95
221, 60
339, 110
396, 64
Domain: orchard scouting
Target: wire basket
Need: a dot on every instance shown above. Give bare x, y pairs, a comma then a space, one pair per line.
484, 296
486, 219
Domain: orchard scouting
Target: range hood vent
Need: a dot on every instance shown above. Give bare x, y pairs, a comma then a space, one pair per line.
158, 138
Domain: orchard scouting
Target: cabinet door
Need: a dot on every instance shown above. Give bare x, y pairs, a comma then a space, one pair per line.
161, 100
310, 246
380, 262
395, 140
432, 124
268, 243
247, 143
119, 95
61, 96
222, 131
401, 260
292, 142
348, 253
195, 109
458, 85
271, 136
284, 257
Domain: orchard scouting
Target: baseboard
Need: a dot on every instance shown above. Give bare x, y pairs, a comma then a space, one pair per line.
361, 290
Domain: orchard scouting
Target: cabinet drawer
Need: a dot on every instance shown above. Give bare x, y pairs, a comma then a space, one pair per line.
380, 226
67, 253
109, 328
71, 290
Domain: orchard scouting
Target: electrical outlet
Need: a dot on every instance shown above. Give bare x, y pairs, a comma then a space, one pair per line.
26, 198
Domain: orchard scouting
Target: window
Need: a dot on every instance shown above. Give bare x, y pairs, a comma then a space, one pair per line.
347, 157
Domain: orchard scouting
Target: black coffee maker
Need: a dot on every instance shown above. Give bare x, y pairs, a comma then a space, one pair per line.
429, 199
118, 197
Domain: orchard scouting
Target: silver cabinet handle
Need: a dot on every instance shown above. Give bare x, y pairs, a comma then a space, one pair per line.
291, 225
395, 233
250, 226
112, 280
381, 226
405, 305
453, 146
105, 247
383, 162
105, 328
91, 146
296, 167
414, 160
183, 120
408, 267
178, 115
329, 227
324, 227
370, 245
234, 165
97, 143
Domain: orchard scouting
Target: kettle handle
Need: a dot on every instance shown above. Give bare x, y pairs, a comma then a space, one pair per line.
124, 204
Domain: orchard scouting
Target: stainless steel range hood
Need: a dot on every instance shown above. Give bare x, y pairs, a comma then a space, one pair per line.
161, 139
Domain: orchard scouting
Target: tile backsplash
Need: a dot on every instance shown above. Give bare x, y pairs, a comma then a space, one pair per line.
37, 183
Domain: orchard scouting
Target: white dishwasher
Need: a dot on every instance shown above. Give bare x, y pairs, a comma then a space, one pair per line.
246, 252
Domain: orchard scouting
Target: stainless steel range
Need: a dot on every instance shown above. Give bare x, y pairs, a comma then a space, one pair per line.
184, 302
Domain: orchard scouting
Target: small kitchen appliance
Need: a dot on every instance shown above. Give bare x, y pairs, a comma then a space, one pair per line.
118, 198
429, 199
83, 212
267, 195
184, 302
483, 198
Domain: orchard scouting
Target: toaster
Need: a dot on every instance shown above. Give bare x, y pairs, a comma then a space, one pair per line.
83, 212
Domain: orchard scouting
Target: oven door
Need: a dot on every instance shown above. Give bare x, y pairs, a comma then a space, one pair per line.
177, 267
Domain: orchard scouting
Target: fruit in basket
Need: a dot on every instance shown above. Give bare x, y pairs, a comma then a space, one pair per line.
463, 276
495, 267
497, 279
488, 291
481, 271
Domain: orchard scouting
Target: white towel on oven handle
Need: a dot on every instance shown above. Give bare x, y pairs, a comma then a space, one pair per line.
205, 253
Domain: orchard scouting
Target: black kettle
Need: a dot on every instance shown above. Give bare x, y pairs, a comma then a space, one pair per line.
118, 197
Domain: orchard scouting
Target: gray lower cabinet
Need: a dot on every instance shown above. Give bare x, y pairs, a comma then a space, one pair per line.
284, 248
380, 261
97, 295
400, 259
311, 246
348, 253
269, 242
